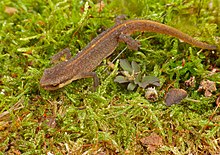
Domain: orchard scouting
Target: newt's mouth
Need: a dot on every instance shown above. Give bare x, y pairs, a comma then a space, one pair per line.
50, 87
47, 86
54, 86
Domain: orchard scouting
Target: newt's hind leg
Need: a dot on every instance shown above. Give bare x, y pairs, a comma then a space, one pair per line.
58, 57
132, 44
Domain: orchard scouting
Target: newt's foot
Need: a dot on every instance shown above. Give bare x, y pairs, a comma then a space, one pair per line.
89, 75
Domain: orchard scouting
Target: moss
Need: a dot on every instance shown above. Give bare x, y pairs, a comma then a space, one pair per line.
112, 119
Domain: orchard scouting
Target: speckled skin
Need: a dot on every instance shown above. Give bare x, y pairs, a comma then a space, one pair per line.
102, 46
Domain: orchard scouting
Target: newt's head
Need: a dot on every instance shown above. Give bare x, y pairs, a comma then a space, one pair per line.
56, 77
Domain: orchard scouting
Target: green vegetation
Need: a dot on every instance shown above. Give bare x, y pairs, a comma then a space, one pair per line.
111, 120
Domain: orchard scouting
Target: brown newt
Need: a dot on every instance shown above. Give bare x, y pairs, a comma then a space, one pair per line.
101, 47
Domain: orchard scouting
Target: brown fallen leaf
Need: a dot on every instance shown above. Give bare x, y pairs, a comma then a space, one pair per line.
191, 82
214, 71
10, 10
50, 121
4, 124
152, 142
207, 86
100, 6
16, 152
111, 65
175, 96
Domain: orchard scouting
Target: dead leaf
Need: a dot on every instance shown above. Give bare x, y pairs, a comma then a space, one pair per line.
41, 23
50, 121
175, 96
10, 10
183, 62
218, 101
4, 124
214, 71
100, 6
16, 152
191, 82
15, 107
216, 119
110, 64
152, 142
207, 86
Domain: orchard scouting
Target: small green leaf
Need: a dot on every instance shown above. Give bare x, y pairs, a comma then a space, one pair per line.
135, 66
131, 86
137, 78
126, 74
121, 79
149, 80
125, 65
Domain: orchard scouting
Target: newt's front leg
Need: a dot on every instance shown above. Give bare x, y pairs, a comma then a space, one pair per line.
93, 75
57, 57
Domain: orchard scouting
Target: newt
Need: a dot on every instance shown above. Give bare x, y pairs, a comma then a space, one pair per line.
83, 64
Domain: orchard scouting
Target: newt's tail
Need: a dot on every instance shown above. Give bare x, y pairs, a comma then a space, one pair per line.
151, 26
164, 29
